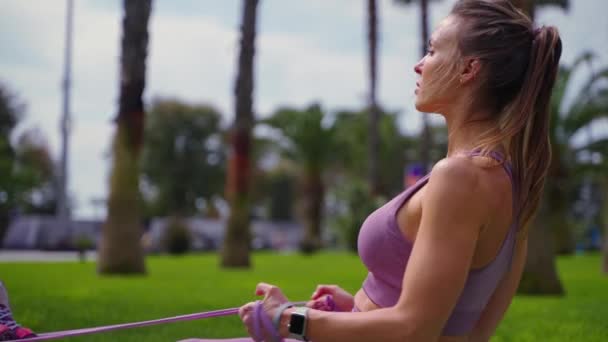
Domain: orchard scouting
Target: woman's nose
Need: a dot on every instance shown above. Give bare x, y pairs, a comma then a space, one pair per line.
418, 67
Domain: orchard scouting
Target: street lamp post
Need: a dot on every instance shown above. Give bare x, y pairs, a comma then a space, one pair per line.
63, 212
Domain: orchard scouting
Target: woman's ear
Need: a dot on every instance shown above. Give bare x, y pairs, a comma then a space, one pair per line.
471, 70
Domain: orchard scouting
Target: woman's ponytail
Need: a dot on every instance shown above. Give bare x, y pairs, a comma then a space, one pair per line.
530, 148
520, 65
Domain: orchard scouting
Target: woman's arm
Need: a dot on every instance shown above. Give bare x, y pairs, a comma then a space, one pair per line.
501, 299
454, 210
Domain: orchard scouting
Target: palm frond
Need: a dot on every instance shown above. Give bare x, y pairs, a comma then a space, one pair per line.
563, 79
598, 146
563, 4
590, 105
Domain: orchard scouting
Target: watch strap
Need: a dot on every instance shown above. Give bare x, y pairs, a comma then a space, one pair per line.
276, 320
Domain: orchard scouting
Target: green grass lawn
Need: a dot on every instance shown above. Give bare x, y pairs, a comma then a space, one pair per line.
57, 296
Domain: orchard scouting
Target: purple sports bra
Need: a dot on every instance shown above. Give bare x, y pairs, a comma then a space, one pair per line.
385, 252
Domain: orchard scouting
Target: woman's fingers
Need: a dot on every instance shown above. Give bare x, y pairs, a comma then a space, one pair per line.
323, 290
270, 291
245, 309
323, 303
263, 288
266, 290
245, 313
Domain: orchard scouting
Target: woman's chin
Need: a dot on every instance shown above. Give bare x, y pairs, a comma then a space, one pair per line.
425, 107
420, 106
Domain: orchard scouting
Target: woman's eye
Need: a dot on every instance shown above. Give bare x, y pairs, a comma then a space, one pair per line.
430, 52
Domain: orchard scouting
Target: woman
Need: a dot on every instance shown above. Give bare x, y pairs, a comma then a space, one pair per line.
446, 256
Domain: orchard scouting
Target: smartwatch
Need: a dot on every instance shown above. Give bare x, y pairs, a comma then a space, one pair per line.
297, 324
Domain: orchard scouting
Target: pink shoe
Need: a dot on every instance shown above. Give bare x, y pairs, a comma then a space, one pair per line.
6, 334
22, 332
8, 326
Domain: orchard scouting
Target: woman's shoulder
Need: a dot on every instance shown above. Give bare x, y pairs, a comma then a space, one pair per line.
463, 177
457, 168
457, 196
467, 166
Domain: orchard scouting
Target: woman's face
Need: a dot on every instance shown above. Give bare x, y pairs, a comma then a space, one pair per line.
432, 92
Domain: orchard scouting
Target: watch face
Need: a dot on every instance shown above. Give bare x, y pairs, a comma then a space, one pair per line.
296, 324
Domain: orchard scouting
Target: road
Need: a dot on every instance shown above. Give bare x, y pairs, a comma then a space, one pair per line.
41, 256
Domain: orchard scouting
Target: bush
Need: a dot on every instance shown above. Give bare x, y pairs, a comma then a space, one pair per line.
177, 239
358, 204
82, 243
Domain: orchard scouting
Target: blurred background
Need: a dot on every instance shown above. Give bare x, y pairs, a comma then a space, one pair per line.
180, 140
133, 128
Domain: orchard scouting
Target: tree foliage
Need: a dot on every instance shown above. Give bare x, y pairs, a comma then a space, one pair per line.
184, 157
307, 141
396, 150
26, 165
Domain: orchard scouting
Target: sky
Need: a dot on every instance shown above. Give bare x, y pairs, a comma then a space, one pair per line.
306, 51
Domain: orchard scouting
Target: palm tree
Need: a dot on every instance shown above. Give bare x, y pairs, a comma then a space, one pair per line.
590, 105
540, 274
595, 169
602, 182
235, 250
309, 144
426, 138
120, 250
605, 221
374, 113
587, 107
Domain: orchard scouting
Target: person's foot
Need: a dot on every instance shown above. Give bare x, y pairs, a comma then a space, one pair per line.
6, 334
22, 332
8, 326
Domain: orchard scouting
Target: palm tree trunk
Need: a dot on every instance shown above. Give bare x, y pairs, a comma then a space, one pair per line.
563, 230
426, 141
120, 249
314, 192
558, 204
236, 247
374, 114
540, 273
605, 222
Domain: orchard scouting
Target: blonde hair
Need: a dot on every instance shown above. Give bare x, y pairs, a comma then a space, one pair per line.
519, 67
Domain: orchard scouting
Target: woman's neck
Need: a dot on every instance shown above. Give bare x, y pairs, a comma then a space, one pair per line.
465, 135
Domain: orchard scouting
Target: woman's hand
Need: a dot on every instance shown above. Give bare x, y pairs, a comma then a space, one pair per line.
273, 298
343, 300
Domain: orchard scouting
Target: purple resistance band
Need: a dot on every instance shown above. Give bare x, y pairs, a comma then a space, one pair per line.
261, 323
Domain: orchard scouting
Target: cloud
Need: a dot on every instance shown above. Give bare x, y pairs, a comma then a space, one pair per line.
192, 58
306, 51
